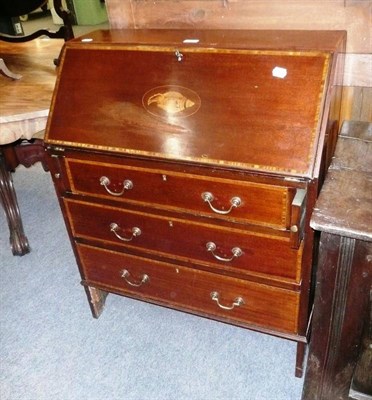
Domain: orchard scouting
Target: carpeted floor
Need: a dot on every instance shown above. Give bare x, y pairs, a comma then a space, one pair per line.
52, 349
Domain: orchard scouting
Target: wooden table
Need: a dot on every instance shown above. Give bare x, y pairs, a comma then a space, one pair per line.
24, 108
342, 307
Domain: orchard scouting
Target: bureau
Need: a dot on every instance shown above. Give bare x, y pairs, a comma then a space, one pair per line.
187, 163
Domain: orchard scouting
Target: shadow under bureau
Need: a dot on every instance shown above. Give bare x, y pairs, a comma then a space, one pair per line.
187, 164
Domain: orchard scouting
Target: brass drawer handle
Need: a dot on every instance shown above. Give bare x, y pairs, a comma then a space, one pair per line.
126, 274
208, 198
239, 301
115, 227
105, 182
236, 252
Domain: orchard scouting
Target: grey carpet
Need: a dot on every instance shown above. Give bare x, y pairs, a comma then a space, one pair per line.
52, 349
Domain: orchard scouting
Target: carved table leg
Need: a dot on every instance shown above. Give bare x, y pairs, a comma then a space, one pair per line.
28, 153
18, 240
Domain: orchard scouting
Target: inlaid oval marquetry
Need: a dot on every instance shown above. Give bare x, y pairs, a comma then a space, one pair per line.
171, 101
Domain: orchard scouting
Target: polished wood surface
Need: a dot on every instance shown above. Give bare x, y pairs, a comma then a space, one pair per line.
353, 16
222, 38
180, 191
264, 306
165, 235
24, 103
349, 15
162, 132
343, 215
258, 107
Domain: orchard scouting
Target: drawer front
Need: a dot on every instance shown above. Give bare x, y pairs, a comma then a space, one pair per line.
210, 196
224, 248
202, 292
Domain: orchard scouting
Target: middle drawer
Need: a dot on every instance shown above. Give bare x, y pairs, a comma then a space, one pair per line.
221, 247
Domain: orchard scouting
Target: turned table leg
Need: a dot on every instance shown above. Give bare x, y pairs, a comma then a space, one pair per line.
18, 240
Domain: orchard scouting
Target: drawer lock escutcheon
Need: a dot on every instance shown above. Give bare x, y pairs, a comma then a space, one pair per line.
115, 228
178, 55
239, 301
236, 252
105, 182
234, 202
125, 274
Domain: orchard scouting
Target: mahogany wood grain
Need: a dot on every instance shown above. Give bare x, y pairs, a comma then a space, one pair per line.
349, 15
233, 111
167, 189
352, 16
263, 305
258, 108
186, 239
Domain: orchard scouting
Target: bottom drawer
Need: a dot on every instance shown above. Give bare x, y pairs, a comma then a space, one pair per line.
217, 296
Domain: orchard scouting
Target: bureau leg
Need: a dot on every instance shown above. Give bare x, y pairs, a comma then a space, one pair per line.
300, 358
96, 299
18, 240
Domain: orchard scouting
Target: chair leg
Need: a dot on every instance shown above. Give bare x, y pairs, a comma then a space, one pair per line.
18, 240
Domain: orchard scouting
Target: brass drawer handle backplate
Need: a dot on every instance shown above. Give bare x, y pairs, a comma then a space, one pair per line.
125, 274
239, 301
115, 227
236, 252
105, 182
208, 198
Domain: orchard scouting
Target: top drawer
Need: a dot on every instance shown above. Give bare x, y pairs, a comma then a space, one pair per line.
239, 201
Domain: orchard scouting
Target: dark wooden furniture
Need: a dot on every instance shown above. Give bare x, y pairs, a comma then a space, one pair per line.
342, 308
24, 108
187, 164
16, 8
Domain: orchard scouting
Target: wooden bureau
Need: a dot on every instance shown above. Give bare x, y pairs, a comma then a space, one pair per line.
187, 164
